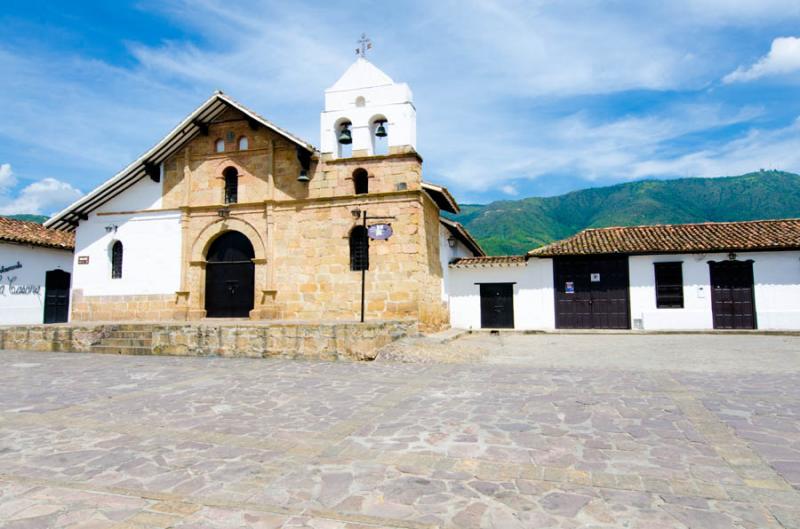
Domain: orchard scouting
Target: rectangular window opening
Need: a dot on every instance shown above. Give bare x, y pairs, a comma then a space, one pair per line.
669, 285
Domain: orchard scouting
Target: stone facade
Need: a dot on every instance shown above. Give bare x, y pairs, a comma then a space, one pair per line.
299, 232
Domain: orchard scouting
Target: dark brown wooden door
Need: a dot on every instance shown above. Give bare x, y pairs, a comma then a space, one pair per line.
497, 305
56, 296
230, 277
592, 292
732, 300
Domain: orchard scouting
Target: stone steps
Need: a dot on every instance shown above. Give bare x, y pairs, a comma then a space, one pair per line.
126, 340
121, 350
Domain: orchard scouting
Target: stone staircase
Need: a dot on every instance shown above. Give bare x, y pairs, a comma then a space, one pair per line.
126, 340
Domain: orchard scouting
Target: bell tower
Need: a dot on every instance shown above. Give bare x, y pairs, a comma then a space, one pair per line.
367, 113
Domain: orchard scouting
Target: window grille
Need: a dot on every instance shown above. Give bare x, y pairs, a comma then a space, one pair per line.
669, 285
359, 249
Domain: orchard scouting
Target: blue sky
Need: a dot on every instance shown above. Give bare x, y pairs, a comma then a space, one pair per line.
514, 98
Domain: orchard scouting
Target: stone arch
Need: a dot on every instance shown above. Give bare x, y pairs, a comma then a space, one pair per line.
217, 228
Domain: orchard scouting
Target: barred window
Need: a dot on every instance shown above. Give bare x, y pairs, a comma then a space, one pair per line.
116, 260
669, 285
231, 185
359, 249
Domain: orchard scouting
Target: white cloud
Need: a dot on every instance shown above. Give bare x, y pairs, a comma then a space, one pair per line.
510, 190
7, 179
41, 197
783, 58
758, 149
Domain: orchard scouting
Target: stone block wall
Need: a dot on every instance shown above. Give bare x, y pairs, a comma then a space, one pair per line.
157, 307
322, 341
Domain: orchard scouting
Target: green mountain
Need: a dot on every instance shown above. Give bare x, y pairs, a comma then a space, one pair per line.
39, 219
517, 226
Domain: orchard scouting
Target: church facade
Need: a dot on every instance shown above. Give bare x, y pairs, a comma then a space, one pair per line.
232, 216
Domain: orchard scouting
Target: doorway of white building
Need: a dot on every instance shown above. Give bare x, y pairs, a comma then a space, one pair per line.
732, 301
497, 305
56, 296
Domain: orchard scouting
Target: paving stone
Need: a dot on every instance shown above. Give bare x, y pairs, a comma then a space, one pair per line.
131, 442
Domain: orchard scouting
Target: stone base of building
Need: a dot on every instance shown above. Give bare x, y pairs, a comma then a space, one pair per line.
326, 341
163, 307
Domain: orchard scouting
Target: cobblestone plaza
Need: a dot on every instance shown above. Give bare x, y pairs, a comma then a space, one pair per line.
94, 441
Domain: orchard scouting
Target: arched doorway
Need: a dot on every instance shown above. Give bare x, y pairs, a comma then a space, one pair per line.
230, 275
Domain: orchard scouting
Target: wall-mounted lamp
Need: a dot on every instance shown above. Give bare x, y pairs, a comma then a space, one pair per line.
356, 213
731, 256
111, 227
224, 213
451, 242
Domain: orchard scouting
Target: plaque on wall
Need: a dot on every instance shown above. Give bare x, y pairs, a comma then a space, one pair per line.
379, 232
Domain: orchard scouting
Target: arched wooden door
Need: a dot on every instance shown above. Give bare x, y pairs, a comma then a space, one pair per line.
56, 296
230, 276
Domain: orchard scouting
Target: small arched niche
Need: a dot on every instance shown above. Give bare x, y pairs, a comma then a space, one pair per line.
219, 145
360, 101
360, 181
244, 143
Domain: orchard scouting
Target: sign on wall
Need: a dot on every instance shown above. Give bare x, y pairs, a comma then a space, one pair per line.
569, 287
8, 283
379, 232
595, 278
83, 259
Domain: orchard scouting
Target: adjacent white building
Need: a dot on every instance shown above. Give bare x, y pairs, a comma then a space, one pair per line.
35, 268
727, 275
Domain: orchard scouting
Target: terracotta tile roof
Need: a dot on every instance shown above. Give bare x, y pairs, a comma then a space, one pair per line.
679, 238
32, 233
490, 260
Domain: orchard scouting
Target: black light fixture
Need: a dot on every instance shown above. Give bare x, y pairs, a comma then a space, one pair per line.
451, 242
345, 136
731, 256
380, 132
356, 213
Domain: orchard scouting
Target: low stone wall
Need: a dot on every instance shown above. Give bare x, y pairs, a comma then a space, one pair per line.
327, 341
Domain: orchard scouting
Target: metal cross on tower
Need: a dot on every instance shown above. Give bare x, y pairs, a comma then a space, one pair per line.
364, 44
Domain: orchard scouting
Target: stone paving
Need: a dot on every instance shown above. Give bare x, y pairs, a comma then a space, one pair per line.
93, 441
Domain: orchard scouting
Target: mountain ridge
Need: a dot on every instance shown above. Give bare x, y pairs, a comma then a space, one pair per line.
517, 226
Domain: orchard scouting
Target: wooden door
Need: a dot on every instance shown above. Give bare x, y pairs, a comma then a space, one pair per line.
230, 277
592, 292
56, 296
497, 305
732, 299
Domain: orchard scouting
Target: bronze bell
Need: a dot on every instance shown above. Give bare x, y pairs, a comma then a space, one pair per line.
345, 136
303, 177
380, 132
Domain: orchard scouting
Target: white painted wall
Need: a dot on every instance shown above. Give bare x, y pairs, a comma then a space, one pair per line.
446, 255
381, 97
533, 294
776, 277
151, 253
26, 305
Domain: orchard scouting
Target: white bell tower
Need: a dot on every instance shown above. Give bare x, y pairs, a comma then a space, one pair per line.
368, 103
